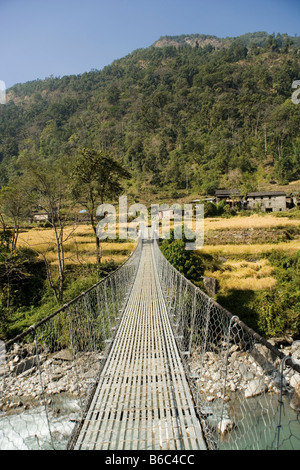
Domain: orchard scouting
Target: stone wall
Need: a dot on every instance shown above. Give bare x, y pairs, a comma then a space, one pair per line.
265, 203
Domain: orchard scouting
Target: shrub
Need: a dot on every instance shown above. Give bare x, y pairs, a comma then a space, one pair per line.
183, 260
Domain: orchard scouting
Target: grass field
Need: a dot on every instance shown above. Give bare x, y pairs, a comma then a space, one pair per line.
244, 275
79, 246
244, 266
250, 277
254, 249
236, 272
254, 221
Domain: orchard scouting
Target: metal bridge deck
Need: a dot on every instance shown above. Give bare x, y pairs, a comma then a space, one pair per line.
143, 400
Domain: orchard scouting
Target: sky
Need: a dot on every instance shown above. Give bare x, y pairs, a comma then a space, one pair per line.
40, 38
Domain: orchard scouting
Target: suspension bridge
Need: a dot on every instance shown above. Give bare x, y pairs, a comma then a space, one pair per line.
153, 363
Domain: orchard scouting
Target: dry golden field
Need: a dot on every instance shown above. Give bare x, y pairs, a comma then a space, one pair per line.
254, 221
241, 274
79, 246
235, 272
244, 275
254, 249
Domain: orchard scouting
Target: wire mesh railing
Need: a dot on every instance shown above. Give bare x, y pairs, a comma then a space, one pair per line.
49, 372
246, 391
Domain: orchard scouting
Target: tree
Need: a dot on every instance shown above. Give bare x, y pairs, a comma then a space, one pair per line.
48, 184
14, 206
96, 175
22, 276
185, 261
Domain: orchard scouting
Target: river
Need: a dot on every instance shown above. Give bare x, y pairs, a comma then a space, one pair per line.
28, 430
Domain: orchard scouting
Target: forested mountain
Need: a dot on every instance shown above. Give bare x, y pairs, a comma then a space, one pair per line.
190, 113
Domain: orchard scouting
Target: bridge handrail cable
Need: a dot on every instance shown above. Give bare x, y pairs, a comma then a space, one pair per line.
31, 328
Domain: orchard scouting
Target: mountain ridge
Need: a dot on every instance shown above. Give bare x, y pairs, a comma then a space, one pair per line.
199, 40
181, 119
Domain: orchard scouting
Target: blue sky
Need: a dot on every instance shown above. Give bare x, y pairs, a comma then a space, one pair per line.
39, 38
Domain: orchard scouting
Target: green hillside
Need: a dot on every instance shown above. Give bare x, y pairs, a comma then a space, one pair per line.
187, 115
183, 117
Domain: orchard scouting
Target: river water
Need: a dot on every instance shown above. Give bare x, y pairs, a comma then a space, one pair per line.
29, 429
257, 427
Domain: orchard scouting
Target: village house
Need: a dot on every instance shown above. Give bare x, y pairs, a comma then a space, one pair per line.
295, 201
269, 201
166, 213
40, 217
170, 213
230, 196
266, 201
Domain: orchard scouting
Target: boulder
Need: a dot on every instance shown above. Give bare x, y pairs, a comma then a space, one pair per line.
225, 425
23, 366
3, 369
245, 371
264, 357
295, 380
295, 346
211, 285
295, 401
255, 387
64, 355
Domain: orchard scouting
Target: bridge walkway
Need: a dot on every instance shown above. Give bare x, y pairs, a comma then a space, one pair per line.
142, 400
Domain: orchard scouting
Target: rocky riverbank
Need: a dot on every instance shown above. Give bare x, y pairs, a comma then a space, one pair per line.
244, 370
26, 378
247, 376
250, 374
